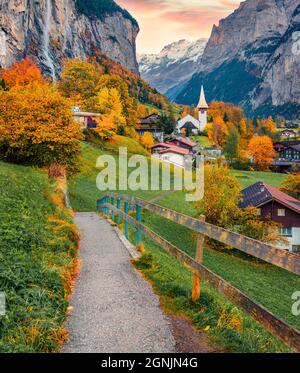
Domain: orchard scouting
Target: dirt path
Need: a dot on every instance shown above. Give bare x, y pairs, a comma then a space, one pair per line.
115, 310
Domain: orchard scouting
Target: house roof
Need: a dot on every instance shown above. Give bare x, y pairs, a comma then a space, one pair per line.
286, 144
261, 193
150, 119
184, 141
176, 150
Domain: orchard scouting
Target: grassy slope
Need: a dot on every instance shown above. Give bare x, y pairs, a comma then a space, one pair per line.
202, 141
268, 285
37, 260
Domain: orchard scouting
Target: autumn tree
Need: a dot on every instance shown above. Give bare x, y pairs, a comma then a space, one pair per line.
231, 148
147, 140
218, 132
262, 151
21, 74
79, 80
220, 205
291, 185
37, 127
222, 193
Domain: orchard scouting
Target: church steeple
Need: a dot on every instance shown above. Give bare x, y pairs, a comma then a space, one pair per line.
202, 104
202, 108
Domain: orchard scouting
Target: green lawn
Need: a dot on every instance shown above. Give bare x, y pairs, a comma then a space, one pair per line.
37, 255
202, 141
247, 178
268, 285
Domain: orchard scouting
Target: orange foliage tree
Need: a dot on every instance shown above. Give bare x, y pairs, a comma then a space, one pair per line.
147, 140
22, 74
37, 127
262, 151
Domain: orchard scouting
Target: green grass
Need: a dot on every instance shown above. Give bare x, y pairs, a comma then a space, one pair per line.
37, 256
226, 326
266, 284
247, 178
202, 141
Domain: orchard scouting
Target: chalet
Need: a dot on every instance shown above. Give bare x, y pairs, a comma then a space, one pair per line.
277, 206
169, 153
184, 143
288, 134
151, 124
288, 150
86, 119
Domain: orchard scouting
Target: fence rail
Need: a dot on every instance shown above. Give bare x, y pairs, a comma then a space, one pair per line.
272, 323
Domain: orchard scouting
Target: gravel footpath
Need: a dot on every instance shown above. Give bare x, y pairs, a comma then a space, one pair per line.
115, 310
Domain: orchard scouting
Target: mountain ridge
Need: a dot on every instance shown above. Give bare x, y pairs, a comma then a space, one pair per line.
253, 63
175, 64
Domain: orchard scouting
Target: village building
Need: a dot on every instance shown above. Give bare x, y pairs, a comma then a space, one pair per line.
176, 151
195, 125
184, 143
85, 119
288, 134
151, 124
277, 206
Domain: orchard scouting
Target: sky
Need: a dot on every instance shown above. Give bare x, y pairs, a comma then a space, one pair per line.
165, 21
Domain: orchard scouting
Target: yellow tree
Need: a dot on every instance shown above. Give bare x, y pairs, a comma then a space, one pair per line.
109, 104
37, 127
79, 81
262, 151
147, 140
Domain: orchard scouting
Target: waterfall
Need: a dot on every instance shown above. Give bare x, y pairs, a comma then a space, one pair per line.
46, 38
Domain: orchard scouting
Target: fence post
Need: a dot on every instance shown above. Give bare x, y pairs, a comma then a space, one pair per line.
126, 224
119, 207
112, 202
139, 220
196, 291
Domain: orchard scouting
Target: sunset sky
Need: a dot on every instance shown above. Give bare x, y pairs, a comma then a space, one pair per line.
166, 21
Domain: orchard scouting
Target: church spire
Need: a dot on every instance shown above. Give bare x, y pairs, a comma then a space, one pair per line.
202, 101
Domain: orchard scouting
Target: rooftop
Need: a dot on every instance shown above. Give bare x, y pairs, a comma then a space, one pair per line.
261, 193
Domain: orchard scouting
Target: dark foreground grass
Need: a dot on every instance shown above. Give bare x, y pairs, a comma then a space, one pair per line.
38, 245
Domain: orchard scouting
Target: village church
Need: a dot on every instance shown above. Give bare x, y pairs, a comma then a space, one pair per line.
195, 124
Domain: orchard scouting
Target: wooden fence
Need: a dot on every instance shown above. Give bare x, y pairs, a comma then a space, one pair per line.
111, 203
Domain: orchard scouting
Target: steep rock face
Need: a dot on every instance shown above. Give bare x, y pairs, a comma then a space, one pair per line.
252, 58
175, 64
51, 30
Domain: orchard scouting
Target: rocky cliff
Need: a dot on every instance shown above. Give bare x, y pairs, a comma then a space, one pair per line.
173, 66
51, 30
253, 58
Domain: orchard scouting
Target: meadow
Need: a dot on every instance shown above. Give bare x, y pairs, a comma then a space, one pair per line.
268, 285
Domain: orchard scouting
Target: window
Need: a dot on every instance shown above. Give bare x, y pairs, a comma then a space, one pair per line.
287, 232
258, 212
281, 212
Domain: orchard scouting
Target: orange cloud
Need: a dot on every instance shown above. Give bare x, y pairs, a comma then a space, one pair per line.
165, 21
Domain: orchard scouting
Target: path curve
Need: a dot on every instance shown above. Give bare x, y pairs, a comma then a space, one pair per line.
115, 310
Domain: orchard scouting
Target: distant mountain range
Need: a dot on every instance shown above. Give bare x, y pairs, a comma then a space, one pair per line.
252, 58
173, 66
